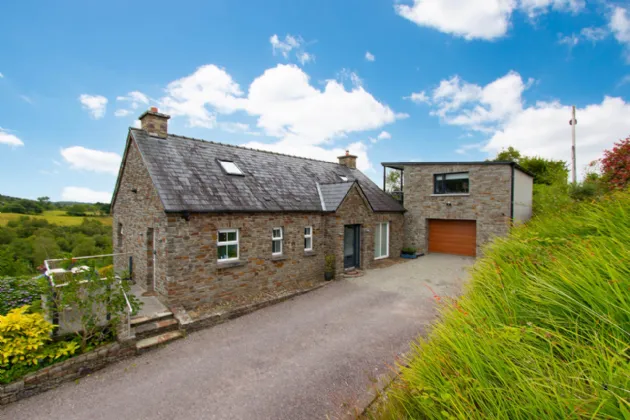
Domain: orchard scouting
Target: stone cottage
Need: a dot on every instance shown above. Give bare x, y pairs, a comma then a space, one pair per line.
206, 222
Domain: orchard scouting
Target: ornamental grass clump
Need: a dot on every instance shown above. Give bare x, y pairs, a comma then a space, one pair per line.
543, 330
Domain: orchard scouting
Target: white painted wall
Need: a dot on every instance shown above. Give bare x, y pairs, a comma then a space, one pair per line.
523, 196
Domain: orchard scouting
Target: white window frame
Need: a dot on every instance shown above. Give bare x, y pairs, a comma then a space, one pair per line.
379, 228
226, 243
309, 236
277, 239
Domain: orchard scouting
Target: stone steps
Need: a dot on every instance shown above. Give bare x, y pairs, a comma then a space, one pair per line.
140, 320
150, 329
154, 341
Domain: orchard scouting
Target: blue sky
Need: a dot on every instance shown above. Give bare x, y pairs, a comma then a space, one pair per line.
423, 80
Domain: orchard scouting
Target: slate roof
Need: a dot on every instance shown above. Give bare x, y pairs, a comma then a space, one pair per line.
188, 177
333, 194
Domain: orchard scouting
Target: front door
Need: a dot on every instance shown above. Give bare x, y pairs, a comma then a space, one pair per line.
351, 246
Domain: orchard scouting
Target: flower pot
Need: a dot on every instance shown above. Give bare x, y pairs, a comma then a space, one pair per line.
328, 275
409, 256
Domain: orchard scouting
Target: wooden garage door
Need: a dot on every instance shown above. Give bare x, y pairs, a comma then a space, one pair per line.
453, 237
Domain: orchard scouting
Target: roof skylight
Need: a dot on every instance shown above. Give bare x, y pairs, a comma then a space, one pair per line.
343, 178
230, 167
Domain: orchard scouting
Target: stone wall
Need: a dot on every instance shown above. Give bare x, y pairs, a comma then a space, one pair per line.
195, 275
489, 201
355, 210
138, 212
68, 370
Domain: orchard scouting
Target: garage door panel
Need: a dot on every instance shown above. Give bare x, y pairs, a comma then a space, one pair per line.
453, 237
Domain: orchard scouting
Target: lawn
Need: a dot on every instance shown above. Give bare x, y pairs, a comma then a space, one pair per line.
57, 217
543, 330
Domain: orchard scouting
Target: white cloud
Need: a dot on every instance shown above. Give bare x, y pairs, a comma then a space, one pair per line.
369, 56
285, 104
305, 57
94, 104
210, 86
620, 25
419, 97
463, 149
291, 43
541, 129
135, 100
85, 195
81, 158
568, 40
478, 19
1, 76
122, 112
10, 139
383, 135
594, 34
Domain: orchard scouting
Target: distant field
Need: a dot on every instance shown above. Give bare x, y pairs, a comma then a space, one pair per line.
57, 217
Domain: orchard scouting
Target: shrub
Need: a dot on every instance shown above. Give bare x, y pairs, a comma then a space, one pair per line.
409, 250
542, 330
616, 165
17, 292
330, 264
25, 343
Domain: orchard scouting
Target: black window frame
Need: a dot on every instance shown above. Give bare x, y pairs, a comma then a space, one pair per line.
441, 191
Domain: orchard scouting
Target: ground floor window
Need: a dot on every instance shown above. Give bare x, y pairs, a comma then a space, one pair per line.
227, 244
308, 238
276, 241
381, 240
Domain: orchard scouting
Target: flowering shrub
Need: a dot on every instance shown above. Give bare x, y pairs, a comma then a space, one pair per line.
17, 292
25, 343
616, 165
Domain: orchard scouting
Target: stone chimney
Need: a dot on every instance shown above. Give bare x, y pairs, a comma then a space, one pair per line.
154, 123
348, 160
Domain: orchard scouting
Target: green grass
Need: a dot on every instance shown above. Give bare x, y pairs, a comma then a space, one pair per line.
57, 217
543, 330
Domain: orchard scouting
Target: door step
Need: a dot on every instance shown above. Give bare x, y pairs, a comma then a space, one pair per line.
160, 316
153, 328
152, 342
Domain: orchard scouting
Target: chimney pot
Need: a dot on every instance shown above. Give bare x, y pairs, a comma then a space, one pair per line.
154, 123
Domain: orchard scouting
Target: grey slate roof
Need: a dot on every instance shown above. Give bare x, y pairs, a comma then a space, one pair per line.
188, 177
333, 194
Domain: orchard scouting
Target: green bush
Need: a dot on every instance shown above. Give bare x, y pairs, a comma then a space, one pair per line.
542, 330
409, 250
25, 344
17, 292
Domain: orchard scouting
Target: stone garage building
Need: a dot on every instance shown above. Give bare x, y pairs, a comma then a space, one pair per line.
207, 222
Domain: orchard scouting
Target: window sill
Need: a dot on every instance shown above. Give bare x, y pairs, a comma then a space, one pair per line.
279, 257
310, 253
230, 264
451, 195
381, 258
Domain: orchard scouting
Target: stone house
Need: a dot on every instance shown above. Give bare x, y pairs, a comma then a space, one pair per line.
458, 207
207, 222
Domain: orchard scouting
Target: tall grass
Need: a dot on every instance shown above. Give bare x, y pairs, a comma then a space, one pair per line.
543, 330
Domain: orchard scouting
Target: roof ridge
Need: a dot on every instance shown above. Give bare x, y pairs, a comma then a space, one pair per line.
242, 147
340, 182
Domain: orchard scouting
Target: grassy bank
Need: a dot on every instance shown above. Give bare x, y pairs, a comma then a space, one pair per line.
543, 330
57, 217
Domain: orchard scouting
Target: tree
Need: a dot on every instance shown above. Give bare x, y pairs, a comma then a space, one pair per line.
546, 171
616, 165
393, 181
44, 202
508, 155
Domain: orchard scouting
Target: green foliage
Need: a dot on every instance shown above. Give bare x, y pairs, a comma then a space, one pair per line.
409, 250
546, 171
330, 264
542, 330
27, 242
393, 181
25, 343
97, 303
616, 165
17, 292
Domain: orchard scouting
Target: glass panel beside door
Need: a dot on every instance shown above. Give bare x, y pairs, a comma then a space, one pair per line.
381, 240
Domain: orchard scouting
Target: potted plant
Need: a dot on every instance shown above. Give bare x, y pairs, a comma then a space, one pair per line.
329, 270
409, 252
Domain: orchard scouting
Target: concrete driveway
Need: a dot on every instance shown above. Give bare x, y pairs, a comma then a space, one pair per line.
306, 358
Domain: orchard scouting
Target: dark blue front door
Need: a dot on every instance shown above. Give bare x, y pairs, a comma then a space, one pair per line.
351, 246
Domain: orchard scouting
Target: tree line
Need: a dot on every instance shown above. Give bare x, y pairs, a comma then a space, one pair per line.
25, 206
